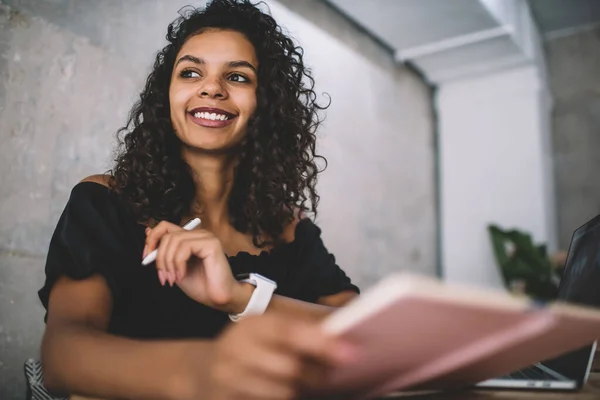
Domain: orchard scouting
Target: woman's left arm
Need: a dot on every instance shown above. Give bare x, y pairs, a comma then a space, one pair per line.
325, 305
196, 262
313, 311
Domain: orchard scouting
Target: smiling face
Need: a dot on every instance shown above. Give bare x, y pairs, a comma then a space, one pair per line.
213, 90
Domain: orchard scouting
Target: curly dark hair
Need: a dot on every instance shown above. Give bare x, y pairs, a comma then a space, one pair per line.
277, 170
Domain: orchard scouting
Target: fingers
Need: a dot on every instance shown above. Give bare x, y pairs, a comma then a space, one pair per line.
278, 356
176, 248
280, 366
179, 257
154, 235
310, 341
275, 378
161, 260
252, 352
177, 252
272, 389
303, 338
231, 381
171, 249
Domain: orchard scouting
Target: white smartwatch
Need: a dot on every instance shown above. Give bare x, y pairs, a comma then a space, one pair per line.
261, 297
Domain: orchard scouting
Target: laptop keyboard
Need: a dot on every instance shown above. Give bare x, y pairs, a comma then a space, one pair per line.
531, 373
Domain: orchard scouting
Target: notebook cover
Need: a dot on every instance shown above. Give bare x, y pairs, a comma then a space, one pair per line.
574, 328
418, 329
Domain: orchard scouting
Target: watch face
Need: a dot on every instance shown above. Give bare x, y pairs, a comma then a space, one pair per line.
241, 277
254, 277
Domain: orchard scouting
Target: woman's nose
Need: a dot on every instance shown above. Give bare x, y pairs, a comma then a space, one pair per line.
211, 88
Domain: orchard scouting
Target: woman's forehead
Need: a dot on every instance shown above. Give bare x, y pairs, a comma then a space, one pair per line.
219, 46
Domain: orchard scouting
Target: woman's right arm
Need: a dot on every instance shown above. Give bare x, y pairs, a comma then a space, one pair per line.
80, 357
273, 356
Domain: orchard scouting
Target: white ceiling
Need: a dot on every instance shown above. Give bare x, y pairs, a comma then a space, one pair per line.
408, 23
445, 39
450, 39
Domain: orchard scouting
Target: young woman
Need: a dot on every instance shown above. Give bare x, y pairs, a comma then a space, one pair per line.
224, 131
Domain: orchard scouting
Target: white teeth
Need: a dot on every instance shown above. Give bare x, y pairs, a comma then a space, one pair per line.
211, 116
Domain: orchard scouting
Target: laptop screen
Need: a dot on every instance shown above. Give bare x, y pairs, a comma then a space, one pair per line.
580, 284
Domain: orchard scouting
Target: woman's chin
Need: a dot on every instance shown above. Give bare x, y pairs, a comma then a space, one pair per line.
210, 147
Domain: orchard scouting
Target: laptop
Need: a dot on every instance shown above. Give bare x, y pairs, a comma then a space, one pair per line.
580, 284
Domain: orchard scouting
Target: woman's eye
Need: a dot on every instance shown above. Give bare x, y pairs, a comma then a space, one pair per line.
189, 74
238, 78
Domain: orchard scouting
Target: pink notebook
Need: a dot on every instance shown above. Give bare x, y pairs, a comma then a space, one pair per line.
419, 333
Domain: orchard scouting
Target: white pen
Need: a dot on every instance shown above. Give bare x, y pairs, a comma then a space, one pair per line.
150, 258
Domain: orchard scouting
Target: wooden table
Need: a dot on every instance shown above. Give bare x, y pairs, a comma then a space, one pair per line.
591, 391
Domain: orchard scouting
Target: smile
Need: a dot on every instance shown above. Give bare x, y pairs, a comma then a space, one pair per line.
211, 117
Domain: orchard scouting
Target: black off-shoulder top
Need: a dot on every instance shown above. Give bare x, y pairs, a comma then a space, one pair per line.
98, 234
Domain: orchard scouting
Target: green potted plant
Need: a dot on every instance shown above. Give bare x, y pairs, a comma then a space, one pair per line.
525, 266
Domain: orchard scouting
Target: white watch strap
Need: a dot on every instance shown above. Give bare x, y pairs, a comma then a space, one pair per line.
260, 299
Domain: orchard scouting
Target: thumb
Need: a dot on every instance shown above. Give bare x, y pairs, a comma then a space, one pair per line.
311, 341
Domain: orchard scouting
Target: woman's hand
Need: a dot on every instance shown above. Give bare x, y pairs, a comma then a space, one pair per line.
196, 262
271, 356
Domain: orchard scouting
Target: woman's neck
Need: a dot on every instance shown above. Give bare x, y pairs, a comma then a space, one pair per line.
213, 176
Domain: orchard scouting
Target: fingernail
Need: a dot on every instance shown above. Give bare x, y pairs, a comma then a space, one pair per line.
171, 278
144, 252
147, 230
161, 277
178, 275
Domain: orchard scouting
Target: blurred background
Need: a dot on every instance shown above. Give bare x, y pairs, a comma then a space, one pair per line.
447, 117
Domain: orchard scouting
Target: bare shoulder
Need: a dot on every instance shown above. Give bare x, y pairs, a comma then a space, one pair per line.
104, 180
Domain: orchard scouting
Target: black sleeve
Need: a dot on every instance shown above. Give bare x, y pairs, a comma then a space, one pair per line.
89, 239
317, 273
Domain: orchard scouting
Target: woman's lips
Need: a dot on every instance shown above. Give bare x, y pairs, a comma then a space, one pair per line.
211, 117
209, 123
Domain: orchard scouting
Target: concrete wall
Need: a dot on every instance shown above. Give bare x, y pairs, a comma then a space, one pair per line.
574, 78
379, 189
496, 159
494, 169
69, 72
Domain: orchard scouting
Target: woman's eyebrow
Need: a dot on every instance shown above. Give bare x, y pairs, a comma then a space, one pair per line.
230, 64
190, 58
241, 63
